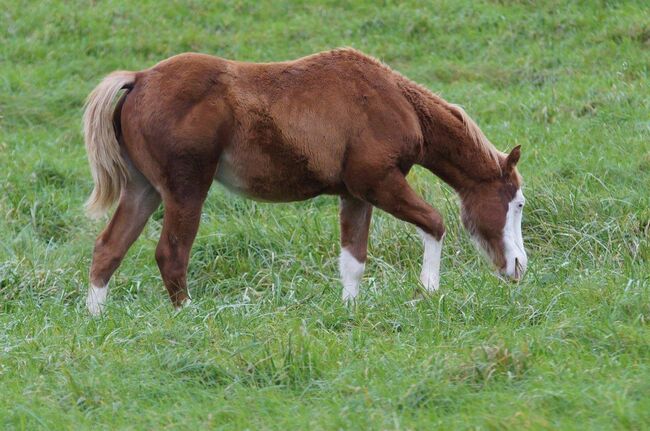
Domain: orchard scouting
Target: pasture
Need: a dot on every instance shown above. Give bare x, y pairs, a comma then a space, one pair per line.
267, 343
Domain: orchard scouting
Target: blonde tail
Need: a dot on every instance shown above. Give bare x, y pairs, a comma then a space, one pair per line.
106, 163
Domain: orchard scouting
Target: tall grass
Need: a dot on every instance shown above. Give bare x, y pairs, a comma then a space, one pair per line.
267, 343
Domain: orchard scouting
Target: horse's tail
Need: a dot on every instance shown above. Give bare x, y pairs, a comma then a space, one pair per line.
107, 165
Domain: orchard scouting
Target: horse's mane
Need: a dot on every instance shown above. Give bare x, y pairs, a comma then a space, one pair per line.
418, 95
476, 134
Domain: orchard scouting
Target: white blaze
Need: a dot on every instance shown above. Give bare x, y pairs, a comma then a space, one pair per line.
430, 275
351, 272
513, 241
96, 299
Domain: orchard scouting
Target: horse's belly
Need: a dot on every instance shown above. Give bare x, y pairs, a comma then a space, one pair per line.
259, 177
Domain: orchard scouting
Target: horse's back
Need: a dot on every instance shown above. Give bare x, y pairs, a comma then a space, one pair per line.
282, 130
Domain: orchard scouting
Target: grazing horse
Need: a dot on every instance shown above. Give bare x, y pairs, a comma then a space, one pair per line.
337, 122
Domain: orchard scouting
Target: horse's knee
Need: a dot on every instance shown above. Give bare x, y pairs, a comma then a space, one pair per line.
435, 226
438, 228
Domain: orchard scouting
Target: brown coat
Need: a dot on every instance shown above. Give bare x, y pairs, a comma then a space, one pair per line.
337, 122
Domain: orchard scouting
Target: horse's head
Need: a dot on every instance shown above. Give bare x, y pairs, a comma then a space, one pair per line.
492, 212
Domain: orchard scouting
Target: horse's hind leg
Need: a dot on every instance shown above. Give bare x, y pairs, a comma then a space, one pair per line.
355, 217
180, 225
137, 201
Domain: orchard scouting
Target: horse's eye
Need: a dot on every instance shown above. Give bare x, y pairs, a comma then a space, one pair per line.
520, 204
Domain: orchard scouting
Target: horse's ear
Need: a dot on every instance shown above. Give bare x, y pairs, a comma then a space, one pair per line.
512, 159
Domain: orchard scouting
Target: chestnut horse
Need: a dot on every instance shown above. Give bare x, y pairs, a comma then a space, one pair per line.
336, 122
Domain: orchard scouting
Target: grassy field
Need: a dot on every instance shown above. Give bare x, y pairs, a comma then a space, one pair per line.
267, 343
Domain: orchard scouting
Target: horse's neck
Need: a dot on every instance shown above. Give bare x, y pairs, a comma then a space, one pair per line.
449, 150
452, 156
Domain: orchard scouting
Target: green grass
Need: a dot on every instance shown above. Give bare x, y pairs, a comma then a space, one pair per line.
267, 343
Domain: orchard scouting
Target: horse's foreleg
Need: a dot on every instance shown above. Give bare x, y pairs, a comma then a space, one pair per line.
137, 201
355, 217
430, 275
393, 194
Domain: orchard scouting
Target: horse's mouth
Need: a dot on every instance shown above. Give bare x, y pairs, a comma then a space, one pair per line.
519, 270
516, 276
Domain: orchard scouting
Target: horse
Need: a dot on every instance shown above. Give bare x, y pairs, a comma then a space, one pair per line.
337, 123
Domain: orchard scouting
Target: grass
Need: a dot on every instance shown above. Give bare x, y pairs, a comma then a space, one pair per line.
267, 343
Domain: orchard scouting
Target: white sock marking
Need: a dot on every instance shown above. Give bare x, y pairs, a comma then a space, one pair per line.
96, 299
430, 275
184, 304
351, 271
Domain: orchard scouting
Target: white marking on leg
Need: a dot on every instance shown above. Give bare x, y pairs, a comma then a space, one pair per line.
186, 303
351, 272
96, 299
430, 275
